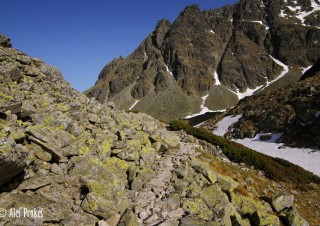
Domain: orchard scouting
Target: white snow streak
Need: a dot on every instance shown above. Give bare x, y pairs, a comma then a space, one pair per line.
200, 124
134, 104
306, 158
216, 78
258, 21
203, 108
169, 70
248, 92
223, 125
211, 31
304, 69
283, 73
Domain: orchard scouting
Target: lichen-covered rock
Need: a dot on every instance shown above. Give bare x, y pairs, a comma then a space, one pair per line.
214, 197
246, 205
105, 183
226, 183
281, 202
204, 169
128, 219
292, 217
41, 154
260, 218
197, 207
52, 140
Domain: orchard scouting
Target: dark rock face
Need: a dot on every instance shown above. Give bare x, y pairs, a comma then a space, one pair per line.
312, 71
293, 111
232, 44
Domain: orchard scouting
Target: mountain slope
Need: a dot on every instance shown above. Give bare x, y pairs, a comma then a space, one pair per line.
221, 54
293, 111
73, 161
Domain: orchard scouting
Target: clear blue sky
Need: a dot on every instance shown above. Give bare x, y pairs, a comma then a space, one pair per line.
81, 36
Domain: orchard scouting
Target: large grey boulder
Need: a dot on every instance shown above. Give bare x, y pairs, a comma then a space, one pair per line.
13, 160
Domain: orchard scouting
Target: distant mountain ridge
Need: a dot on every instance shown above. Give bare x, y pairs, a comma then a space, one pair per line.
208, 60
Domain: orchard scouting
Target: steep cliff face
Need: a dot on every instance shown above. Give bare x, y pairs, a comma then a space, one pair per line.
73, 161
220, 54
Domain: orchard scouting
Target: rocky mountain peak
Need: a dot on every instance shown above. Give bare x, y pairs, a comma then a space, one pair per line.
209, 60
162, 28
190, 10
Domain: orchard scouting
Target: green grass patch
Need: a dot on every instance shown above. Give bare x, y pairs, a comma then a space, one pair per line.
274, 168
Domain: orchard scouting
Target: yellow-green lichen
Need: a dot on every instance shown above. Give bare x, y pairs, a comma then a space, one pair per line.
62, 107
247, 205
4, 96
197, 207
91, 142
105, 147
143, 137
17, 134
84, 150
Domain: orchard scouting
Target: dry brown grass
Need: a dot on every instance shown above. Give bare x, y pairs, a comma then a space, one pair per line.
307, 201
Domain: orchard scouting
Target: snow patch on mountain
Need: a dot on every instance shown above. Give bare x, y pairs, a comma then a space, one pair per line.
203, 108
306, 158
216, 78
169, 70
283, 73
259, 22
299, 13
304, 69
223, 125
248, 92
134, 104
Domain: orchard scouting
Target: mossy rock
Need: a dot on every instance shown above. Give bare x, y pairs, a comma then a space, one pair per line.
197, 207
214, 197
142, 176
147, 154
103, 202
246, 205
204, 169
226, 183
128, 219
105, 181
264, 219
291, 217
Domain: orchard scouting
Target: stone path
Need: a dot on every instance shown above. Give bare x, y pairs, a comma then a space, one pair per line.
158, 202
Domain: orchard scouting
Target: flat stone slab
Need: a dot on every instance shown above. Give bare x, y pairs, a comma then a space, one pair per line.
157, 183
